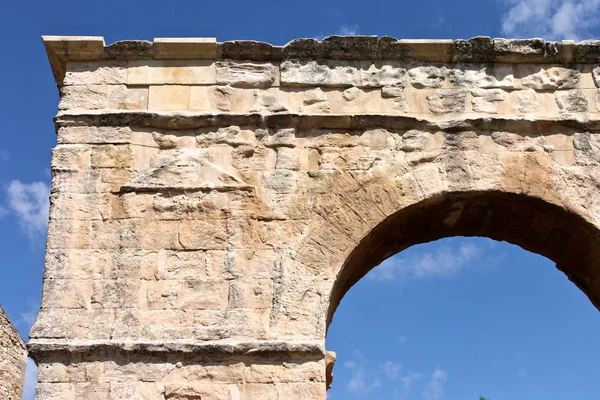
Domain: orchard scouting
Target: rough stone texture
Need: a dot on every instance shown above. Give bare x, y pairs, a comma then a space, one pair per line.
13, 360
208, 214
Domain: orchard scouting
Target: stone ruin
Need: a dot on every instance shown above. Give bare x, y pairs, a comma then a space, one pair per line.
13, 360
213, 202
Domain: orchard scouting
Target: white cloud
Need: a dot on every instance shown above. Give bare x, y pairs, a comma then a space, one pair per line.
30, 380
359, 383
391, 369
348, 30
344, 30
443, 261
30, 204
27, 318
409, 380
550, 19
434, 389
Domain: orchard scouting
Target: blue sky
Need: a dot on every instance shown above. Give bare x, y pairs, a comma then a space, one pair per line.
498, 321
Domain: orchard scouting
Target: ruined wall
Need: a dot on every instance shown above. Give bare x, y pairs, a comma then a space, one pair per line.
212, 202
13, 360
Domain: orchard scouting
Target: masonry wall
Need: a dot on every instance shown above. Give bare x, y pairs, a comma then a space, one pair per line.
13, 360
206, 196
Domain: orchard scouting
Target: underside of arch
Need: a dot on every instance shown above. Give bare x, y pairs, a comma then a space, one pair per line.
529, 222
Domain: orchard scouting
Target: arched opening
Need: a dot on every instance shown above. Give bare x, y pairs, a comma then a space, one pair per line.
556, 233
528, 222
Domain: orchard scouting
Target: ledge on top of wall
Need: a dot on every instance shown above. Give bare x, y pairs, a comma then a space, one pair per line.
62, 49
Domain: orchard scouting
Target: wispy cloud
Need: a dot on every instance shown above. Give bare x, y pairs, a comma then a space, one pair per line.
4, 156
27, 318
348, 30
551, 19
443, 261
409, 380
344, 30
434, 389
29, 202
359, 383
30, 380
391, 369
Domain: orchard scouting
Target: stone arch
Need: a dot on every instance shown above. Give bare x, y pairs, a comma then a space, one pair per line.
522, 197
529, 222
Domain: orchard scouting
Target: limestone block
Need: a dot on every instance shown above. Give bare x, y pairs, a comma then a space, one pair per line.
596, 74
447, 101
93, 134
413, 140
571, 101
427, 77
251, 293
187, 295
481, 76
169, 97
123, 98
351, 94
78, 206
527, 101
485, 100
311, 73
386, 75
397, 95
115, 234
62, 323
553, 78
69, 234
89, 97
186, 391
222, 95
214, 373
268, 101
200, 295
13, 360
68, 157
280, 181
96, 73
115, 293
315, 101
112, 156
232, 135
156, 235
55, 391
290, 158
171, 72
248, 75
289, 372
203, 235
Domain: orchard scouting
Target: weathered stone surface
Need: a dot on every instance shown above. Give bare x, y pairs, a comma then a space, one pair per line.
384, 76
571, 101
481, 76
449, 101
311, 73
485, 100
552, 79
208, 213
528, 101
250, 75
427, 77
13, 360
